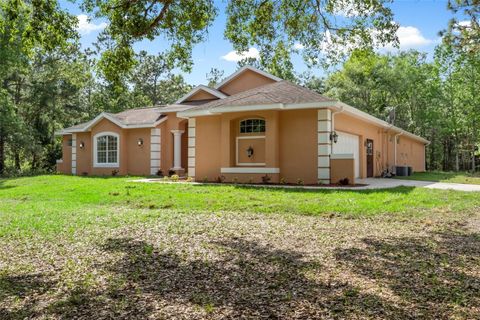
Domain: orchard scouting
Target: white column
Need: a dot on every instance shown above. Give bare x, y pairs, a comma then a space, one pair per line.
177, 149
324, 145
191, 147
74, 154
155, 151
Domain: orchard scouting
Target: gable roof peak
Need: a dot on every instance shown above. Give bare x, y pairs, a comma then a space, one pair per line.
201, 87
244, 69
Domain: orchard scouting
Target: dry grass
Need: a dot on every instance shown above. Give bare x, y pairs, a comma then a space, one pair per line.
233, 265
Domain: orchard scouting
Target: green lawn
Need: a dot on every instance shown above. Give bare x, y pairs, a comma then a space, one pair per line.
51, 204
440, 176
104, 248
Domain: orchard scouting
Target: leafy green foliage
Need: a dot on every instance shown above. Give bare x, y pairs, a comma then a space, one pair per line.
181, 23
463, 34
438, 100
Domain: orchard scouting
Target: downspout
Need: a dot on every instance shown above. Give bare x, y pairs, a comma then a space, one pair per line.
395, 145
387, 145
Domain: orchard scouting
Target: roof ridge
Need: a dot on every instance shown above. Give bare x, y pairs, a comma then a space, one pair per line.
140, 108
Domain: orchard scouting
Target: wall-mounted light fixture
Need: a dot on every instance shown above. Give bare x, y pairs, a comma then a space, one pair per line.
250, 152
334, 136
140, 142
82, 145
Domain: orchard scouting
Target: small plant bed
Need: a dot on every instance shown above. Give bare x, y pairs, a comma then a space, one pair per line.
220, 181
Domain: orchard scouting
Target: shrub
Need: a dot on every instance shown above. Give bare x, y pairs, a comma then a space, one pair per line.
174, 177
344, 181
171, 173
205, 179
189, 179
115, 172
266, 178
283, 181
300, 182
165, 178
220, 179
160, 173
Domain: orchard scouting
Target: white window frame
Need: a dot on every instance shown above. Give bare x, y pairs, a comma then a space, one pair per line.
95, 153
253, 132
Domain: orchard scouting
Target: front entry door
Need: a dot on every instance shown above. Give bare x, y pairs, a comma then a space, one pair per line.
369, 158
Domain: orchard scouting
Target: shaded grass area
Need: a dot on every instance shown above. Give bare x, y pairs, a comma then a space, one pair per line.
106, 248
441, 176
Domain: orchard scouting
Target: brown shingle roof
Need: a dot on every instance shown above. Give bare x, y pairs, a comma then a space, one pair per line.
277, 92
138, 116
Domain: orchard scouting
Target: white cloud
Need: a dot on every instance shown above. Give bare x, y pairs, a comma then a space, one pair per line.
235, 56
352, 9
410, 37
85, 26
465, 23
298, 46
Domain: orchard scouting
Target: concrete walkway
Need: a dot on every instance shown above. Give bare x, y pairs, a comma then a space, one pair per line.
368, 184
377, 183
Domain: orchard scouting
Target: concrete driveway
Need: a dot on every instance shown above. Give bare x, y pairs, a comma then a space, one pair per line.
378, 183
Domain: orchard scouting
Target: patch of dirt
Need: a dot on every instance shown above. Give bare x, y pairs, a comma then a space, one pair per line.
230, 266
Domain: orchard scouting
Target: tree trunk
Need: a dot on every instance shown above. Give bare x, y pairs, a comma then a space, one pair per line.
457, 161
34, 162
17, 161
473, 160
2, 154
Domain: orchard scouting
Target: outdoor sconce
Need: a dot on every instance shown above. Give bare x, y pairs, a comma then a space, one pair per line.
250, 152
334, 136
82, 145
140, 142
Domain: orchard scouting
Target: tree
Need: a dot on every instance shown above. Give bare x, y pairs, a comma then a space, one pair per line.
26, 27
312, 82
214, 76
153, 82
147, 74
464, 34
321, 27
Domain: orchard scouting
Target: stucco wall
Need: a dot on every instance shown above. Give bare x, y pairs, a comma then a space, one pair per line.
341, 169
138, 158
298, 145
132, 158
202, 95
66, 166
207, 148
364, 130
409, 152
290, 145
84, 155
245, 81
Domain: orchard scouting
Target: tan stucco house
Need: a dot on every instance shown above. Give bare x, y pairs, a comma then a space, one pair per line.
249, 126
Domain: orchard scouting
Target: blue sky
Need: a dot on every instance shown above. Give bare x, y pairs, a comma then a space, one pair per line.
419, 20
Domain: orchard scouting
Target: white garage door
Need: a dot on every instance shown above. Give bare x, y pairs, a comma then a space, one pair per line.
348, 143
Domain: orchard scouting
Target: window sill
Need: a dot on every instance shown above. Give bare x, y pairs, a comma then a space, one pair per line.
106, 165
249, 170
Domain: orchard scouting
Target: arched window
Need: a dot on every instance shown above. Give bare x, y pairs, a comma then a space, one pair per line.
106, 149
252, 126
